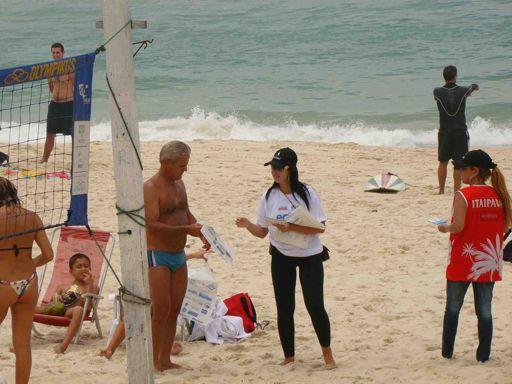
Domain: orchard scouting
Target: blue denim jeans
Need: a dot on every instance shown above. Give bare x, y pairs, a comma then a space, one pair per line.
455, 292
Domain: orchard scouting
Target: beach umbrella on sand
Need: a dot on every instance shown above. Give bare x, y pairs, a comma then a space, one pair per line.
385, 183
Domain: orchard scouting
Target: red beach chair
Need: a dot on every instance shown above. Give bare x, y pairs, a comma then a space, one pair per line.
76, 240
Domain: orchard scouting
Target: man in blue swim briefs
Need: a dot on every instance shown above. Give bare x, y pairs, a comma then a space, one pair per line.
168, 222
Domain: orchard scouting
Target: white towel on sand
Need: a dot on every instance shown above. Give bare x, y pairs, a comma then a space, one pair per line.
225, 329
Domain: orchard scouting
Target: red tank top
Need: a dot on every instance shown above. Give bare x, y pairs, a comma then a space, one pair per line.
476, 253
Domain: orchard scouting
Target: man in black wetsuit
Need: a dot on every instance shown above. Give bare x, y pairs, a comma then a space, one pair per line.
453, 136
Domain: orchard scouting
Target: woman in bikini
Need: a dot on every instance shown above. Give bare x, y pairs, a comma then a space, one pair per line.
18, 278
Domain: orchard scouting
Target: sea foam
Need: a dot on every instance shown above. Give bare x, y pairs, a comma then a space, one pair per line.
212, 126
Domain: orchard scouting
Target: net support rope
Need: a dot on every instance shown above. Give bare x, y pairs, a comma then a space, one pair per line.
124, 293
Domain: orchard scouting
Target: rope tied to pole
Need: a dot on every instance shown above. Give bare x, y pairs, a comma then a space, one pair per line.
133, 215
143, 45
126, 295
102, 48
124, 292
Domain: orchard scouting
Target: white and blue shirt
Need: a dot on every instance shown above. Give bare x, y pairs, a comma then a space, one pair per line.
278, 206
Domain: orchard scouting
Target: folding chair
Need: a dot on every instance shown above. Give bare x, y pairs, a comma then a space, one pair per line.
76, 240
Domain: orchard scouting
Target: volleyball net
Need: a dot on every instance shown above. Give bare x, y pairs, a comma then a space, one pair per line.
45, 112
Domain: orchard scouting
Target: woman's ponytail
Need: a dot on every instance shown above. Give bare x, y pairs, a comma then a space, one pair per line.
498, 182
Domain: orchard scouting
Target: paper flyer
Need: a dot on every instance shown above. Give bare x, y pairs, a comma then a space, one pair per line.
299, 216
217, 243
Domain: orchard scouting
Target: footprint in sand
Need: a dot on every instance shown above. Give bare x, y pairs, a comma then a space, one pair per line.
267, 356
245, 362
236, 347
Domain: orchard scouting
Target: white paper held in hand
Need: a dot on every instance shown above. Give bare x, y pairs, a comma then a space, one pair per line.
299, 216
218, 244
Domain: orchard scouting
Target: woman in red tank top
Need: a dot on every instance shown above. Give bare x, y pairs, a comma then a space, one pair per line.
481, 214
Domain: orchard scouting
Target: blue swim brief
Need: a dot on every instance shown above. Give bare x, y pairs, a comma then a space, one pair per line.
171, 260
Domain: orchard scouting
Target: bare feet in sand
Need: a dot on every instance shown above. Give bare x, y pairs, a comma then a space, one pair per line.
167, 366
328, 358
176, 348
287, 360
58, 349
107, 353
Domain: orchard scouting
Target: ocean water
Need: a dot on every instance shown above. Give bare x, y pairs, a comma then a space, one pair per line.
328, 70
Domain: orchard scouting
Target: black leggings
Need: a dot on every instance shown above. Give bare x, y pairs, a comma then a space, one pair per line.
311, 275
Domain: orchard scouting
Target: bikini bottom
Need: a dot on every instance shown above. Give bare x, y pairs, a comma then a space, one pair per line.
20, 286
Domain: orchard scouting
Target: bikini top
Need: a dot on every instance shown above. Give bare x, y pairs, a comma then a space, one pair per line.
15, 248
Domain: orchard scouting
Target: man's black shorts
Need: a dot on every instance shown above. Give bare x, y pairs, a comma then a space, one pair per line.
60, 118
452, 144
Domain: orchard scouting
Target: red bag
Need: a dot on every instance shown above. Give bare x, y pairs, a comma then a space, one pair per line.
241, 305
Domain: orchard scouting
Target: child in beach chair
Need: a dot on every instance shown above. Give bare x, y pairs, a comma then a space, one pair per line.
119, 333
68, 301
98, 246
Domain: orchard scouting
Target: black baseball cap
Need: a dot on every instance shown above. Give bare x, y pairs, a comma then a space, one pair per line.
476, 158
283, 157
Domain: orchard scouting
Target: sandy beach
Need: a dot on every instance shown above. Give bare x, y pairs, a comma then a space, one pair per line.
384, 284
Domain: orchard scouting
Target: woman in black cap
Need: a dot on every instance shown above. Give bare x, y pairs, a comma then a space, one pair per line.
481, 214
286, 195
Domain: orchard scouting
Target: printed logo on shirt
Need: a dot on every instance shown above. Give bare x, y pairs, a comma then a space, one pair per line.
488, 216
486, 203
282, 209
281, 217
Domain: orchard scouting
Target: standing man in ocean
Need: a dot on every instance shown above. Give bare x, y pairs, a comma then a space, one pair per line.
60, 109
168, 222
453, 135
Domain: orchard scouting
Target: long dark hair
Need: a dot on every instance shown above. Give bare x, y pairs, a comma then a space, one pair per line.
8, 194
296, 185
